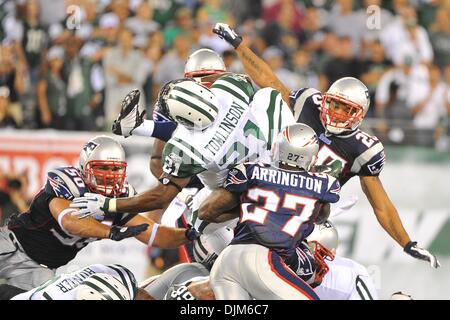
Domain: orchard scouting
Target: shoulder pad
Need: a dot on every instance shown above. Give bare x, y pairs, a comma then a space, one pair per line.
65, 182
297, 99
237, 179
371, 161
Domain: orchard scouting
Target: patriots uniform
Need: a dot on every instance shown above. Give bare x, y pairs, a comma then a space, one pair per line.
39, 233
343, 156
278, 207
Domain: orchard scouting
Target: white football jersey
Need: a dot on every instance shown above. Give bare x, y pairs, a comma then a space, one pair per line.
243, 131
65, 286
346, 280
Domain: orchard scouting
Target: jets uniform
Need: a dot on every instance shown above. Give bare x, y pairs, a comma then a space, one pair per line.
244, 130
65, 286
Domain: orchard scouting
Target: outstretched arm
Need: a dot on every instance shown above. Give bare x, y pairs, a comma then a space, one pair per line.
389, 219
260, 72
384, 209
97, 205
219, 206
254, 66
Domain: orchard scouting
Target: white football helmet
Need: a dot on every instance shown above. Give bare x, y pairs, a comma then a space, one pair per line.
102, 286
297, 146
323, 242
326, 234
203, 63
189, 103
344, 105
103, 165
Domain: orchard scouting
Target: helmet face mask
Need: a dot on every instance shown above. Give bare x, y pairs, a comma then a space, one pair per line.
105, 177
323, 242
344, 105
340, 114
321, 253
103, 166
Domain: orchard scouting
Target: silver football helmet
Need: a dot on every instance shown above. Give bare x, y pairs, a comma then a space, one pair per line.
326, 234
297, 146
102, 286
344, 105
323, 242
103, 165
189, 103
203, 63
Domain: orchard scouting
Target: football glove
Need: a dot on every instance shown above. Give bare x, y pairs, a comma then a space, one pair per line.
91, 205
191, 234
225, 32
413, 250
129, 118
118, 233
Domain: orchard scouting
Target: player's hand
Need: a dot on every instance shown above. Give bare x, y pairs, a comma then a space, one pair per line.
91, 205
118, 233
419, 253
224, 31
130, 117
191, 234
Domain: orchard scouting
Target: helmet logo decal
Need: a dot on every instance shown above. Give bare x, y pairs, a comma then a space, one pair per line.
90, 147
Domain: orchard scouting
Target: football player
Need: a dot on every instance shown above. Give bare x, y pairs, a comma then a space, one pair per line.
94, 282
345, 150
47, 236
218, 128
278, 204
342, 279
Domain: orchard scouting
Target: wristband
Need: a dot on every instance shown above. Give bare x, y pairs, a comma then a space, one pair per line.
153, 234
110, 205
61, 216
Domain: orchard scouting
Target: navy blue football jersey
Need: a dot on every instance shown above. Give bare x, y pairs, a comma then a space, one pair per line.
343, 156
278, 207
39, 233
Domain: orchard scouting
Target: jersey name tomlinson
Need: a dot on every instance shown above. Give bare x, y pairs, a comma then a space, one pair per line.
286, 178
226, 127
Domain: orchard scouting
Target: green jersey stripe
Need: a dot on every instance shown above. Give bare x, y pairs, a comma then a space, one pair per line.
109, 286
230, 91
185, 150
270, 114
192, 105
209, 104
47, 296
245, 87
190, 147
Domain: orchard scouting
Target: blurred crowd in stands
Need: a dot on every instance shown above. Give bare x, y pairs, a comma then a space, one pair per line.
67, 64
